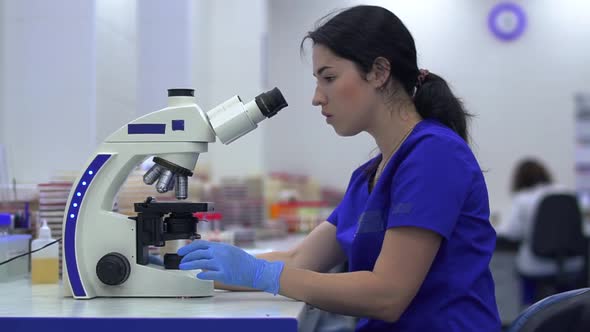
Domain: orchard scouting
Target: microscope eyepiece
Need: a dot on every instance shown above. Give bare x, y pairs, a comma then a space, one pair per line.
271, 102
233, 119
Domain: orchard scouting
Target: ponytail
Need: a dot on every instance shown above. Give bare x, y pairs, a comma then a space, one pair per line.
435, 100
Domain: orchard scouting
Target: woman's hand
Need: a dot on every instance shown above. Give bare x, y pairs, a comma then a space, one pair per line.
230, 265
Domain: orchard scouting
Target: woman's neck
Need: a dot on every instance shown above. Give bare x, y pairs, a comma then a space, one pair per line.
391, 125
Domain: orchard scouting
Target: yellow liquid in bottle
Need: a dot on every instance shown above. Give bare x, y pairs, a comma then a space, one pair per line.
44, 270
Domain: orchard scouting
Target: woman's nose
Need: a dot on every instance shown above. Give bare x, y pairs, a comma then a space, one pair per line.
318, 98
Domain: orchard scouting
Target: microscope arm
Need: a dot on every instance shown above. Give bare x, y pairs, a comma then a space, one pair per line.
229, 121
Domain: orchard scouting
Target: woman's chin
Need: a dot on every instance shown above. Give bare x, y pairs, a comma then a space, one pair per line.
345, 132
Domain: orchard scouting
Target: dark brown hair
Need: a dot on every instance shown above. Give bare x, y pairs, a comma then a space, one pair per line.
529, 173
361, 34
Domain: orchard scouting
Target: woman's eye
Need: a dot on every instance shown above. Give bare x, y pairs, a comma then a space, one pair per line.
329, 78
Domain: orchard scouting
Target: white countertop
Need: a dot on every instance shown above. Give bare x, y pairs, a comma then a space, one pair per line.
21, 299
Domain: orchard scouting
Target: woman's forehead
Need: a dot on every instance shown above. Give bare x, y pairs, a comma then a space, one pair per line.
323, 56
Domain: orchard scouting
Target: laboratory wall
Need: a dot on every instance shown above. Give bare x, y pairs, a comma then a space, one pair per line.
229, 56
116, 66
521, 92
48, 100
301, 141
2, 85
74, 71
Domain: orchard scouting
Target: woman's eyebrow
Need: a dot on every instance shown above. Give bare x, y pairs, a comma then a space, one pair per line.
319, 71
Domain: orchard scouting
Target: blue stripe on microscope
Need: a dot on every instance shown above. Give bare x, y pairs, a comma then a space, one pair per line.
72, 217
177, 125
146, 128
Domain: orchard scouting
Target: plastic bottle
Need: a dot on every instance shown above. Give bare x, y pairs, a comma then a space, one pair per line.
45, 262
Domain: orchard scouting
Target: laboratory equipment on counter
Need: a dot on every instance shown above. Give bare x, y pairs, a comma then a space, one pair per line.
104, 252
44, 263
13, 245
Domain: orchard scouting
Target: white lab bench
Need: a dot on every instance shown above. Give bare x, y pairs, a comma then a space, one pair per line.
25, 307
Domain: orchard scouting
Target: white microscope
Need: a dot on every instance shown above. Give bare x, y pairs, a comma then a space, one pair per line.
105, 253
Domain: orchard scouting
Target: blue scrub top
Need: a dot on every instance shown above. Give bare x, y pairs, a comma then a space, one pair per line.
433, 182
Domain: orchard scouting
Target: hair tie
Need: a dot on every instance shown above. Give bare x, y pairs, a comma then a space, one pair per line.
422, 76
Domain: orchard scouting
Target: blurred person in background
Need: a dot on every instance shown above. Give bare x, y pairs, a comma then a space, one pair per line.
414, 223
531, 182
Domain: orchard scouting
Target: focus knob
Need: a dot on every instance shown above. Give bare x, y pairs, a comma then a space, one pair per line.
113, 269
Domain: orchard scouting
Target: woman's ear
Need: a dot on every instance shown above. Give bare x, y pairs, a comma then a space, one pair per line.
379, 74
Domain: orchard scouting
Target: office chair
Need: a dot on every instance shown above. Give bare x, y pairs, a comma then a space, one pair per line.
568, 312
558, 235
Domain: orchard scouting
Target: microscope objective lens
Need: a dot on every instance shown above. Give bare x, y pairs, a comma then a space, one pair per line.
153, 174
172, 183
181, 187
164, 181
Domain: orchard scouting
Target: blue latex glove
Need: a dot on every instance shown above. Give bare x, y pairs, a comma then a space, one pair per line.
231, 265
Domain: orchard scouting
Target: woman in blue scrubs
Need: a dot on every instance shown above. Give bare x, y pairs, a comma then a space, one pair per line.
414, 222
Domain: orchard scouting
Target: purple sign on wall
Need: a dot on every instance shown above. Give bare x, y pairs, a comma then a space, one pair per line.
507, 21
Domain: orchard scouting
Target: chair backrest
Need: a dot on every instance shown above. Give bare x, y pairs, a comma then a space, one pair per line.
557, 230
567, 311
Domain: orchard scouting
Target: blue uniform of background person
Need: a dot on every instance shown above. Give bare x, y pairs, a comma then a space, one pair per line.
433, 182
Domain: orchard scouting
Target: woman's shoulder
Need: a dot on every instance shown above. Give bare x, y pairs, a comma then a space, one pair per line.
534, 194
524, 197
544, 190
430, 131
432, 140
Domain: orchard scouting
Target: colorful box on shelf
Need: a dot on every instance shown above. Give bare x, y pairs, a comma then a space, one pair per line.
300, 216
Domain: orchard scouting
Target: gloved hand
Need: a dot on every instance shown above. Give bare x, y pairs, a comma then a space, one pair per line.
231, 265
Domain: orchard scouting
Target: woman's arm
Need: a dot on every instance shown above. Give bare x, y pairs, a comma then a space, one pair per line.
384, 293
319, 251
